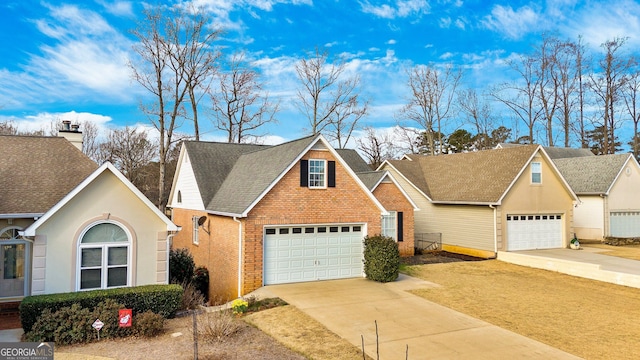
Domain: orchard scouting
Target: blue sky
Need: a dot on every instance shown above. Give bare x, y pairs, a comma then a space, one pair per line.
67, 60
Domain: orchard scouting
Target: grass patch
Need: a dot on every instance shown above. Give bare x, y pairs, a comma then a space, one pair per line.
588, 318
303, 334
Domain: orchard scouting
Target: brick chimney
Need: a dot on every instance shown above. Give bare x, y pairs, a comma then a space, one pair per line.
71, 133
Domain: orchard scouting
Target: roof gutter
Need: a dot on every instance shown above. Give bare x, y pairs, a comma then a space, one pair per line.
227, 214
239, 255
21, 216
465, 203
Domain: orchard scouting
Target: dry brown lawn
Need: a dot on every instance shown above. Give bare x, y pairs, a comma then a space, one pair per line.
587, 318
628, 251
294, 336
311, 339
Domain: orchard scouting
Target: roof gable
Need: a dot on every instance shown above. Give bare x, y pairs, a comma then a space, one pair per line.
481, 177
592, 174
106, 167
38, 171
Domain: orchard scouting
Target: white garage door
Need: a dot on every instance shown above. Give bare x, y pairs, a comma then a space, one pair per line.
309, 253
528, 232
625, 224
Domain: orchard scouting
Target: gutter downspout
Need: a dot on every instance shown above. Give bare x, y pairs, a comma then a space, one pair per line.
239, 256
495, 229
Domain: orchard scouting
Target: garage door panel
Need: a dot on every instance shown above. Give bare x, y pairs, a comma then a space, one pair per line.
527, 232
313, 253
624, 223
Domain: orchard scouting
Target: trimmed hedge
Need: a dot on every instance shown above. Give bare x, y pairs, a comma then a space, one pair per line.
160, 299
381, 258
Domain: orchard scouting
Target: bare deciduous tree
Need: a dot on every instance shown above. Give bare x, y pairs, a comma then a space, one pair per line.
129, 150
631, 96
376, 147
90, 144
478, 114
431, 100
240, 105
328, 96
8, 127
607, 85
168, 67
521, 95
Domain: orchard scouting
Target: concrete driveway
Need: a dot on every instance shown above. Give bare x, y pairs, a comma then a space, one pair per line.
350, 308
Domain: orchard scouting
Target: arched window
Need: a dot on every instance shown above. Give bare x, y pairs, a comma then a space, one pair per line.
104, 257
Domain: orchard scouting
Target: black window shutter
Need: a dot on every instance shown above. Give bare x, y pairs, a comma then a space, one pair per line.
304, 173
400, 230
331, 174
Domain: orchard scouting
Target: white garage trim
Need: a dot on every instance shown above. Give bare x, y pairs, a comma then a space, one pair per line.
299, 253
534, 231
625, 223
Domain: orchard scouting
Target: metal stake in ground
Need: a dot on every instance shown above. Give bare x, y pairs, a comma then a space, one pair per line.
195, 335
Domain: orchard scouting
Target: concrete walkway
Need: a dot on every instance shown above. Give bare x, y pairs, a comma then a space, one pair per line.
350, 308
587, 263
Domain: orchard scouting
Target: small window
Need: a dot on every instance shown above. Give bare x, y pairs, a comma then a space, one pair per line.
317, 173
357, 228
270, 231
195, 235
179, 197
297, 230
537, 217
284, 231
530, 217
309, 230
345, 229
558, 217
389, 225
544, 217
536, 173
508, 217
333, 229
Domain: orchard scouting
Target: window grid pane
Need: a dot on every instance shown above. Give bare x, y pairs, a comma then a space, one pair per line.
536, 173
316, 173
91, 279
117, 276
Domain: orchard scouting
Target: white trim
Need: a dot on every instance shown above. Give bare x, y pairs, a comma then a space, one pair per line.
28, 260
395, 182
31, 230
405, 178
324, 173
309, 147
21, 216
104, 266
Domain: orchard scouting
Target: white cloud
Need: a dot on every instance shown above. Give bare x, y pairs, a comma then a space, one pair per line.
391, 42
446, 56
512, 23
86, 58
49, 122
599, 22
445, 22
401, 9
461, 23
118, 8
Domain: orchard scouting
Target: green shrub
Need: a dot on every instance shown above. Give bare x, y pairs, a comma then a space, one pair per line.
148, 324
381, 258
71, 325
201, 281
160, 299
181, 266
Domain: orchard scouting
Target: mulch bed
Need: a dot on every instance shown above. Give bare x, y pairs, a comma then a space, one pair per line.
437, 257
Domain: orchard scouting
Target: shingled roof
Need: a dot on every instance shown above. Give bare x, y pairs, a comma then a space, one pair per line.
591, 174
564, 153
36, 172
474, 177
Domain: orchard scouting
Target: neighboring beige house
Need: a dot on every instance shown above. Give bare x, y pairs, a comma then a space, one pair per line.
507, 199
68, 225
608, 187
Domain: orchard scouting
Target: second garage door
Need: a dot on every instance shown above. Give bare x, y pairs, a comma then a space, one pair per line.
529, 232
309, 253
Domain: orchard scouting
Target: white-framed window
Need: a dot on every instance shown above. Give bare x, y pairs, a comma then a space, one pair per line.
389, 223
104, 257
317, 173
536, 173
195, 234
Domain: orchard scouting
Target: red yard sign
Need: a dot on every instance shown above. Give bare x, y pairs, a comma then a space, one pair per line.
124, 317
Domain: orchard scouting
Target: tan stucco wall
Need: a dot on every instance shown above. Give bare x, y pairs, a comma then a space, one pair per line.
106, 197
589, 218
625, 192
549, 197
